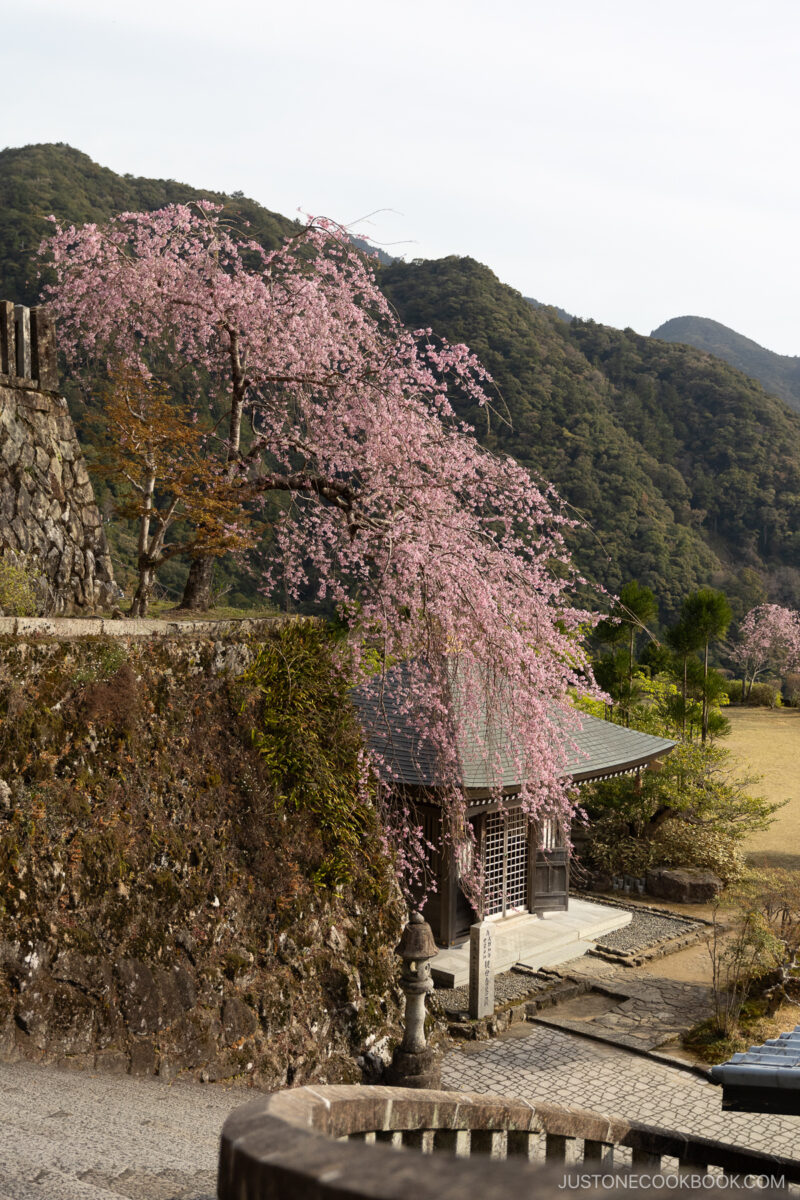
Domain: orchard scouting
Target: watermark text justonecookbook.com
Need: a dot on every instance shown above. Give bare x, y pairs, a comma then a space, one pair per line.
633, 1182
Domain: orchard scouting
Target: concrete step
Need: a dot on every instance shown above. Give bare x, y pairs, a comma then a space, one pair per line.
534, 942
552, 957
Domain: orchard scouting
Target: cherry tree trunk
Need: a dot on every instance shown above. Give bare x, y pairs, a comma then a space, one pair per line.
197, 592
141, 597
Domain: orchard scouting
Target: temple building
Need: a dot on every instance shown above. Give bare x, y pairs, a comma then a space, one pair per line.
525, 862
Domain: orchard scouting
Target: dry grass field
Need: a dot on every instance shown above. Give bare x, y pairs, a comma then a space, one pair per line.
766, 742
763, 742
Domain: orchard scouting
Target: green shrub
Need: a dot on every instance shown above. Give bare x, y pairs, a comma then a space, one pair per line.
310, 742
760, 695
20, 585
692, 812
764, 695
100, 664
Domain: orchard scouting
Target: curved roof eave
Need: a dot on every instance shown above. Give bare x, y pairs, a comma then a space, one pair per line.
598, 749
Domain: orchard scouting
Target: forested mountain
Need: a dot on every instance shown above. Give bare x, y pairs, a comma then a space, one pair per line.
684, 470
556, 413
40, 181
736, 448
779, 373
561, 313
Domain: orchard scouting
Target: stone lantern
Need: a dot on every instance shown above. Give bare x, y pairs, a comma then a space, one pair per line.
414, 1063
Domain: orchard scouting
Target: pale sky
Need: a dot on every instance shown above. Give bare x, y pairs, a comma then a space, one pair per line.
626, 160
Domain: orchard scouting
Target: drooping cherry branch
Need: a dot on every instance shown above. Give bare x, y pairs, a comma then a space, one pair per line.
435, 552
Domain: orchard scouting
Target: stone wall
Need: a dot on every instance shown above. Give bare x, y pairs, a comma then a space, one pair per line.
47, 506
159, 905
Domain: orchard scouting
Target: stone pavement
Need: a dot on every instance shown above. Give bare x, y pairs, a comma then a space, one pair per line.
642, 1012
632, 1007
534, 1063
72, 1135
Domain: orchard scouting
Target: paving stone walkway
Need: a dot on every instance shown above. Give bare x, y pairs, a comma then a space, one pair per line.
644, 1011
534, 1063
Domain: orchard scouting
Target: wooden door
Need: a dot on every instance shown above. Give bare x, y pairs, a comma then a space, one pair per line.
550, 875
506, 863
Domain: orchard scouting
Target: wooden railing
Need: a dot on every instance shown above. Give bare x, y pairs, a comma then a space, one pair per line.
326, 1142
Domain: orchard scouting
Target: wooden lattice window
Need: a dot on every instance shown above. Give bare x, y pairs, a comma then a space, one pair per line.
505, 859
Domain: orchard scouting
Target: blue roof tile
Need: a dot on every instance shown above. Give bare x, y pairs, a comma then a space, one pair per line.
775, 1064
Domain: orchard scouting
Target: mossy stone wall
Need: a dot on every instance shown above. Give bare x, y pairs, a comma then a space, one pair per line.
167, 902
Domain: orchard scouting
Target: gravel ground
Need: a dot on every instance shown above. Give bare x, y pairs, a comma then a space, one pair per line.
510, 986
645, 930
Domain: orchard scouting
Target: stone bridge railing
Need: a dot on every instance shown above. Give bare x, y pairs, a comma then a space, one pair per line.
310, 1144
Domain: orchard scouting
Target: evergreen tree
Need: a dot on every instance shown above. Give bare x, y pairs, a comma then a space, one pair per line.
635, 607
683, 640
707, 615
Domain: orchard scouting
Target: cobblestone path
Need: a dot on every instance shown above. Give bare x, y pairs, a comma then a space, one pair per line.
534, 1063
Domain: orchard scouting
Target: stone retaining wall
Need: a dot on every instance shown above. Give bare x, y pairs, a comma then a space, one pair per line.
159, 910
67, 629
47, 506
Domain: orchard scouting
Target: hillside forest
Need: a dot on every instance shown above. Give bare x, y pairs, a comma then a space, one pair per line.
683, 471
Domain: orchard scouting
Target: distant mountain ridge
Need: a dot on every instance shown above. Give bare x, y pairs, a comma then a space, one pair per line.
684, 470
779, 373
37, 181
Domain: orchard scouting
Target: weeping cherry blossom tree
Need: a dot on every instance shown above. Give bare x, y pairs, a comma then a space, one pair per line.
436, 553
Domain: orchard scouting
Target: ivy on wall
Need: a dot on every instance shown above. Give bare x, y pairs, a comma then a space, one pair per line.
309, 739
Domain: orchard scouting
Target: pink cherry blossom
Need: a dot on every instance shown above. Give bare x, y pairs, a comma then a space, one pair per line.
769, 639
434, 551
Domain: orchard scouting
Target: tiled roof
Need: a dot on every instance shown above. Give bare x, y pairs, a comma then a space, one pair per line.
776, 1064
607, 749
594, 750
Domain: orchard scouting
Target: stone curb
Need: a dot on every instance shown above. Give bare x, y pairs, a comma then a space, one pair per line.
466, 1030
634, 958
462, 1028
72, 628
